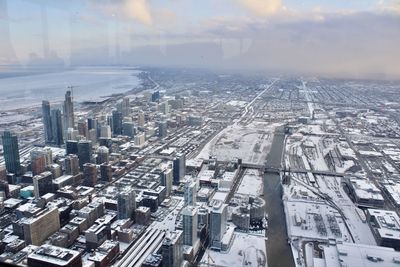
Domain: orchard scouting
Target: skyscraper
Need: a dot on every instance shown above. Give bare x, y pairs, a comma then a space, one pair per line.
179, 168
38, 163
166, 180
92, 123
189, 219
105, 131
141, 119
46, 118
84, 152
116, 122
71, 147
103, 154
124, 107
57, 127
106, 172
72, 165
126, 201
218, 218
11, 153
68, 111
83, 129
172, 250
90, 174
190, 193
155, 96
162, 129
128, 129
42, 184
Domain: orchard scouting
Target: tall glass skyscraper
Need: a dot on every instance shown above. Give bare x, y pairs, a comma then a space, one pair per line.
84, 152
11, 152
179, 167
46, 117
57, 127
68, 111
117, 122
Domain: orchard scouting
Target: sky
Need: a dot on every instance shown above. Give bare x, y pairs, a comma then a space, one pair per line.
353, 38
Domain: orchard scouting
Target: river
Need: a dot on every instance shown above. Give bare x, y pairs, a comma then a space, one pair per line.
279, 253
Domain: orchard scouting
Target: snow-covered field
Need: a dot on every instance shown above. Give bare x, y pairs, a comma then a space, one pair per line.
251, 143
251, 184
90, 83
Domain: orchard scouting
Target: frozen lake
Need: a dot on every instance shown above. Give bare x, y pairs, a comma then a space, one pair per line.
90, 83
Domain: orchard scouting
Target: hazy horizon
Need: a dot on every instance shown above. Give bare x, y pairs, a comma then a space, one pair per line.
343, 39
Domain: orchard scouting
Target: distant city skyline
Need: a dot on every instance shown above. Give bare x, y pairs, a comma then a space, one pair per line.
357, 38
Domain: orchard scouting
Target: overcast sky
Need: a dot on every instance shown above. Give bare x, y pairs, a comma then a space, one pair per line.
355, 38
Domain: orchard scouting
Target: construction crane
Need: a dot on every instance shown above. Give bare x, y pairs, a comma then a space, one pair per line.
71, 87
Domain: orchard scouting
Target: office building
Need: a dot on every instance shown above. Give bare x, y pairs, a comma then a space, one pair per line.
190, 193
71, 165
218, 219
71, 147
48, 255
165, 107
171, 249
38, 162
105, 254
43, 184
11, 153
126, 201
102, 155
84, 152
128, 129
68, 111
46, 118
106, 172
90, 174
92, 123
46, 152
142, 215
166, 181
189, 220
83, 129
179, 168
57, 127
96, 235
162, 129
139, 139
72, 134
105, 131
141, 120
92, 136
38, 228
116, 122
3, 173
385, 225
124, 107
155, 96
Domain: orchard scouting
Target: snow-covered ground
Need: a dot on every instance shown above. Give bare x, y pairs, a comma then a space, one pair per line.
251, 184
251, 143
246, 250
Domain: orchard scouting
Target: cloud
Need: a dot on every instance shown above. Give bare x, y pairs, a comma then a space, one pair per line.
139, 10
262, 7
